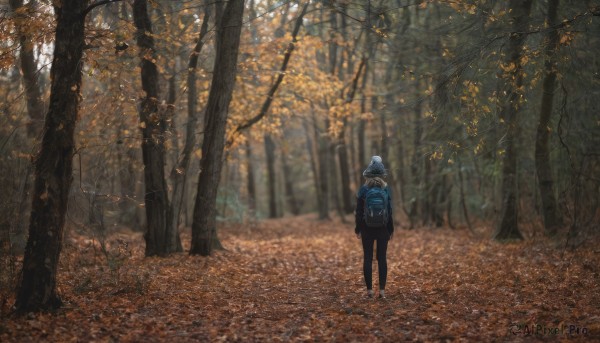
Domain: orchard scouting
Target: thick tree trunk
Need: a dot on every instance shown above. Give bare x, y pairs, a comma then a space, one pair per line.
552, 217
159, 237
509, 107
228, 41
53, 165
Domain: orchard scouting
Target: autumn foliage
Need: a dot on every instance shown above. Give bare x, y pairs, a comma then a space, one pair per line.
300, 279
485, 114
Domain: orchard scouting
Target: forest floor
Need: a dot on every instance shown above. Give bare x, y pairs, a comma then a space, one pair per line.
299, 279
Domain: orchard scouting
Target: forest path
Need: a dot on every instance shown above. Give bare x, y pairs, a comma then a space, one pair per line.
300, 279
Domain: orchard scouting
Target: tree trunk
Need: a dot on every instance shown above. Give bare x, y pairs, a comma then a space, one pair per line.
313, 163
159, 237
35, 105
271, 177
35, 109
126, 158
250, 178
169, 115
323, 157
509, 108
360, 136
53, 165
361, 128
552, 218
426, 191
417, 162
438, 200
173, 213
463, 202
333, 178
290, 195
342, 150
228, 41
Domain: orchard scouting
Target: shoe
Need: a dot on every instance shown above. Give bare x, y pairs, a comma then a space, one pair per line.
382, 294
370, 293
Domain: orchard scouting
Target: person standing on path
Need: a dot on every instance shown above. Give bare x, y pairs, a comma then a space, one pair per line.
373, 220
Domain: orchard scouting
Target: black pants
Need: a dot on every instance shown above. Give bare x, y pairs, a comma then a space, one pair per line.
382, 243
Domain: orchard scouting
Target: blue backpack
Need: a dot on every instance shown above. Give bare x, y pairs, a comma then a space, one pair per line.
376, 207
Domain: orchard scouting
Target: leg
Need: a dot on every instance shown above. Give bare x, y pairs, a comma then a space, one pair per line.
368, 261
382, 261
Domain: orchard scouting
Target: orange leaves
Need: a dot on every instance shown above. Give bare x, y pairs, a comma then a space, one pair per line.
566, 37
507, 68
298, 279
475, 107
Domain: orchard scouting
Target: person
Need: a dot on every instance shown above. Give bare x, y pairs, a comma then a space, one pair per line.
374, 175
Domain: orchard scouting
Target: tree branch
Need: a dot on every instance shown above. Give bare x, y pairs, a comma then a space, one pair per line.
286, 59
350, 96
96, 4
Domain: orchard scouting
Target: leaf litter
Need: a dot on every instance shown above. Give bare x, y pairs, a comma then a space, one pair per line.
300, 279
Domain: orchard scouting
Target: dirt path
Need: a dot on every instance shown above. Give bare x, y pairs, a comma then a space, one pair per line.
299, 279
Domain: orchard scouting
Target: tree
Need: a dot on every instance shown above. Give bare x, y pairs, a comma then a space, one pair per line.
161, 237
33, 94
552, 217
269, 143
181, 169
53, 164
213, 144
28, 66
342, 150
271, 174
510, 100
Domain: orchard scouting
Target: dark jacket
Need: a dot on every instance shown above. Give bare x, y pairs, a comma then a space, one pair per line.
359, 219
